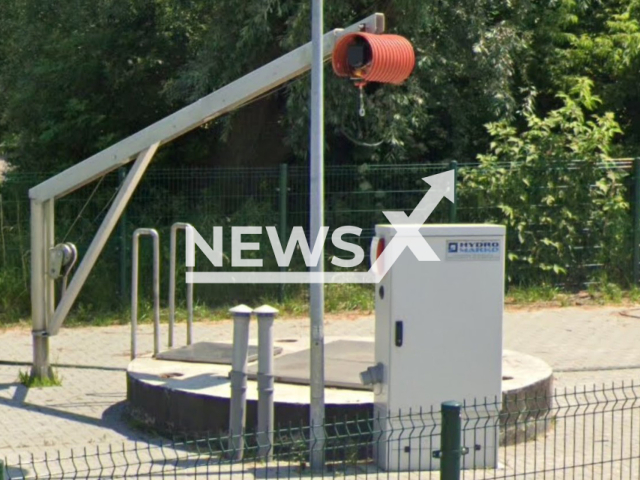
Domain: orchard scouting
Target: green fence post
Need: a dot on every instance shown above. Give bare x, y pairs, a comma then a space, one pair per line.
284, 187
636, 220
451, 441
453, 206
123, 245
2, 470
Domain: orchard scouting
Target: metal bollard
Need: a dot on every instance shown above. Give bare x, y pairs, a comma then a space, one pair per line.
451, 449
266, 315
238, 377
156, 289
172, 287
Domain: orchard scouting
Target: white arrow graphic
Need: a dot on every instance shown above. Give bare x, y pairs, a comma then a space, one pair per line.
442, 185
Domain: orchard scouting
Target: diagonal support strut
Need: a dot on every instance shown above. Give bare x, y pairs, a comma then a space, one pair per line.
108, 224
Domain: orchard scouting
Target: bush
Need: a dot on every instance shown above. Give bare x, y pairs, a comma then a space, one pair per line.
557, 191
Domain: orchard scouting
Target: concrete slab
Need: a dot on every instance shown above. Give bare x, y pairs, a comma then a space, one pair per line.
344, 360
208, 352
194, 397
586, 346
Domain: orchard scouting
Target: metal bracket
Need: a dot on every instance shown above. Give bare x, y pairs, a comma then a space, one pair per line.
40, 333
372, 375
463, 451
62, 258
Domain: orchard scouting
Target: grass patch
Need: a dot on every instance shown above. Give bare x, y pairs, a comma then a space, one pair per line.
530, 295
28, 381
607, 293
340, 299
597, 294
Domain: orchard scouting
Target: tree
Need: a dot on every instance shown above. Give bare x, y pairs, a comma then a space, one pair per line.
558, 192
465, 61
78, 76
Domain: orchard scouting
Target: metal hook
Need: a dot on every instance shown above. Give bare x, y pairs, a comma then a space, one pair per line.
362, 112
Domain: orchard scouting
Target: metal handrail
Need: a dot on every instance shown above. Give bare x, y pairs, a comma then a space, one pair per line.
156, 289
172, 287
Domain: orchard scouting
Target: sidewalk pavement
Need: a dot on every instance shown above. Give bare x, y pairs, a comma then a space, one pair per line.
585, 346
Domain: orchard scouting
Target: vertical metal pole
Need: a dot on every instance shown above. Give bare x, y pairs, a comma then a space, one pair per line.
316, 290
134, 296
636, 221
284, 187
172, 283
453, 208
189, 310
451, 441
172, 287
49, 242
4, 247
266, 315
156, 291
238, 377
40, 367
122, 174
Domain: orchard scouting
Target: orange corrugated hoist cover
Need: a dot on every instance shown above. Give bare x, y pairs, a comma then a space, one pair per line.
392, 58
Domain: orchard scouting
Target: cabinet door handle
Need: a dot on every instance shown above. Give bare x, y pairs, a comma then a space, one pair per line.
399, 333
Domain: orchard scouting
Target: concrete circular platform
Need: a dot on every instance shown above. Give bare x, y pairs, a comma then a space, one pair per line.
181, 397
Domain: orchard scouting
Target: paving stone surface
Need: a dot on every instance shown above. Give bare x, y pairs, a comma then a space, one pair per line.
585, 346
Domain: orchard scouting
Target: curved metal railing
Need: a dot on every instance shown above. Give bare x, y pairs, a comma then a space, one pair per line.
134, 288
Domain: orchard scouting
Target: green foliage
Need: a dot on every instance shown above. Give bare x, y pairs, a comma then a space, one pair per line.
556, 174
533, 294
77, 76
465, 52
591, 41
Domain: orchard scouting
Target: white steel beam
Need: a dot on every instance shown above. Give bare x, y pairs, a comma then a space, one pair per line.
101, 237
224, 100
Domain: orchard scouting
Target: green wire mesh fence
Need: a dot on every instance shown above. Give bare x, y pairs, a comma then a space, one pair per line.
581, 433
602, 246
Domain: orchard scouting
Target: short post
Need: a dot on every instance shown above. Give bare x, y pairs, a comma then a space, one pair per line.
636, 220
238, 377
453, 209
2, 475
451, 441
266, 315
282, 228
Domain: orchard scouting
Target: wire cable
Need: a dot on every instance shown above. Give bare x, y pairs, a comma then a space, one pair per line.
95, 189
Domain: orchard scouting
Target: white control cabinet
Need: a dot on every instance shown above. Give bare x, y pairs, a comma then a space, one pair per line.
439, 338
